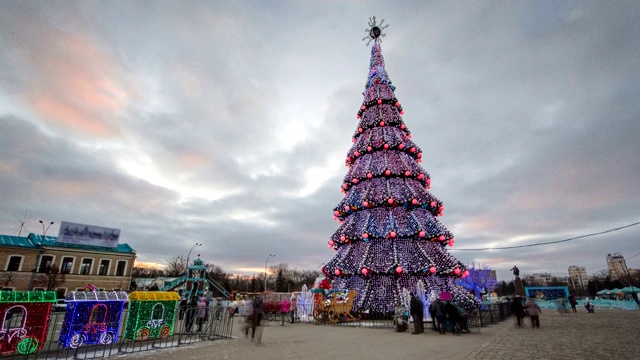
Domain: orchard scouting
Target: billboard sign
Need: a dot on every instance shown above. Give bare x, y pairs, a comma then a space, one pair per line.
72, 233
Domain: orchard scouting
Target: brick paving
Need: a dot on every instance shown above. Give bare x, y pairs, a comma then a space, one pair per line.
603, 335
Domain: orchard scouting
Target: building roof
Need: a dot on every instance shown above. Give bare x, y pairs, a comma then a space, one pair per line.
33, 240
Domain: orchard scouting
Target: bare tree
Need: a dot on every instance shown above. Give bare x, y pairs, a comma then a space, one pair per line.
145, 270
6, 278
51, 278
176, 266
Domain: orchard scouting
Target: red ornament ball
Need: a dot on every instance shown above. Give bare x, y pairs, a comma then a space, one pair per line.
356, 153
401, 112
388, 172
331, 242
392, 234
390, 201
358, 116
360, 130
422, 233
397, 104
369, 175
407, 173
465, 273
456, 271
365, 236
441, 238
337, 272
365, 203
414, 201
403, 126
365, 271
379, 101
363, 107
355, 181
401, 146
413, 149
381, 123
343, 238
399, 270
386, 146
432, 269
421, 176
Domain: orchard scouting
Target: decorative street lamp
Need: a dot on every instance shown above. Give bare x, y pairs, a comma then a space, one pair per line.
35, 267
265, 271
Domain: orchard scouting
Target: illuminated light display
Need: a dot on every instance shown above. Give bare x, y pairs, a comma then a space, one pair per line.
151, 314
25, 320
405, 242
92, 317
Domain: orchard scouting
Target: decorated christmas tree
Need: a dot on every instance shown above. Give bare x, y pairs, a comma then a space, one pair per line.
389, 237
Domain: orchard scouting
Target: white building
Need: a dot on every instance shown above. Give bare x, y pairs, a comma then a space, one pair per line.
578, 277
617, 266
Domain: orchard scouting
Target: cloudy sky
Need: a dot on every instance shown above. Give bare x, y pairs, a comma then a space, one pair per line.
227, 123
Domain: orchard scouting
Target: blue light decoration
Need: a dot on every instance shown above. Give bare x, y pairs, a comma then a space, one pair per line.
25, 320
547, 292
389, 237
92, 317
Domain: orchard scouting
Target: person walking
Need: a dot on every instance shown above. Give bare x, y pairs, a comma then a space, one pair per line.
416, 308
191, 313
533, 310
518, 309
573, 302
249, 314
284, 309
438, 310
203, 311
293, 307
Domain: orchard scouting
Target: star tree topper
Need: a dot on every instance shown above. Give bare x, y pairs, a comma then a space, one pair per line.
374, 31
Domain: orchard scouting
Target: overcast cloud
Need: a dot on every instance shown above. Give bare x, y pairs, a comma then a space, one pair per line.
227, 123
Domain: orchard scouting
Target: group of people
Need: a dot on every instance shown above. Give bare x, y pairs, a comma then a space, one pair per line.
254, 310
441, 312
529, 308
194, 311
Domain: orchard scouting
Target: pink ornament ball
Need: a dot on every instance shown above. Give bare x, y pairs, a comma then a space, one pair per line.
465, 273
399, 270
456, 271
335, 218
329, 246
428, 180
337, 272
403, 126
386, 146
409, 136
356, 153
419, 155
353, 140
363, 107
343, 238
369, 175
360, 130
413, 149
401, 146
451, 242
336, 213
392, 234
345, 185
414, 201
407, 173
441, 238
432, 269
432, 204
365, 203
421, 176
390, 201
365, 236
419, 161
381, 123
388, 172
401, 112
355, 181
358, 116
365, 271
397, 104
369, 148
379, 101
422, 233
331, 242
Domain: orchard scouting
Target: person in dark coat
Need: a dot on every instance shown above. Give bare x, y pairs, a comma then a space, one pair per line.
518, 309
192, 306
454, 317
573, 302
416, 308
432, 312
438, 311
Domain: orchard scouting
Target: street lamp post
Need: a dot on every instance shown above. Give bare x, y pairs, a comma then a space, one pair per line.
35, 267
265, 271
186, 268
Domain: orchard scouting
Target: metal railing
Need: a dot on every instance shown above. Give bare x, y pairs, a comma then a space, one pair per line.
188, 328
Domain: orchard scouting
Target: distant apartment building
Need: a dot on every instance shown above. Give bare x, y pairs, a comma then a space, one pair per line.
617, 266
544, 279
578, 277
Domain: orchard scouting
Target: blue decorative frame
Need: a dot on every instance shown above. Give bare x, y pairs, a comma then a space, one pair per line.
547, 292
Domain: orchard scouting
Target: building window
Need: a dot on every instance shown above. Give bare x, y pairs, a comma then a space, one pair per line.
85, 266
14, 263
104, 267
121, 268
66, 265
45, 263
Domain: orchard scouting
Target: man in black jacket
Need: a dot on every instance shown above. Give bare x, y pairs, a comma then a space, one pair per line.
416, 308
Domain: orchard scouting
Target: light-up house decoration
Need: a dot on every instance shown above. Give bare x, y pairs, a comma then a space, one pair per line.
196, 279
92, 317
151, 314
24, 320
